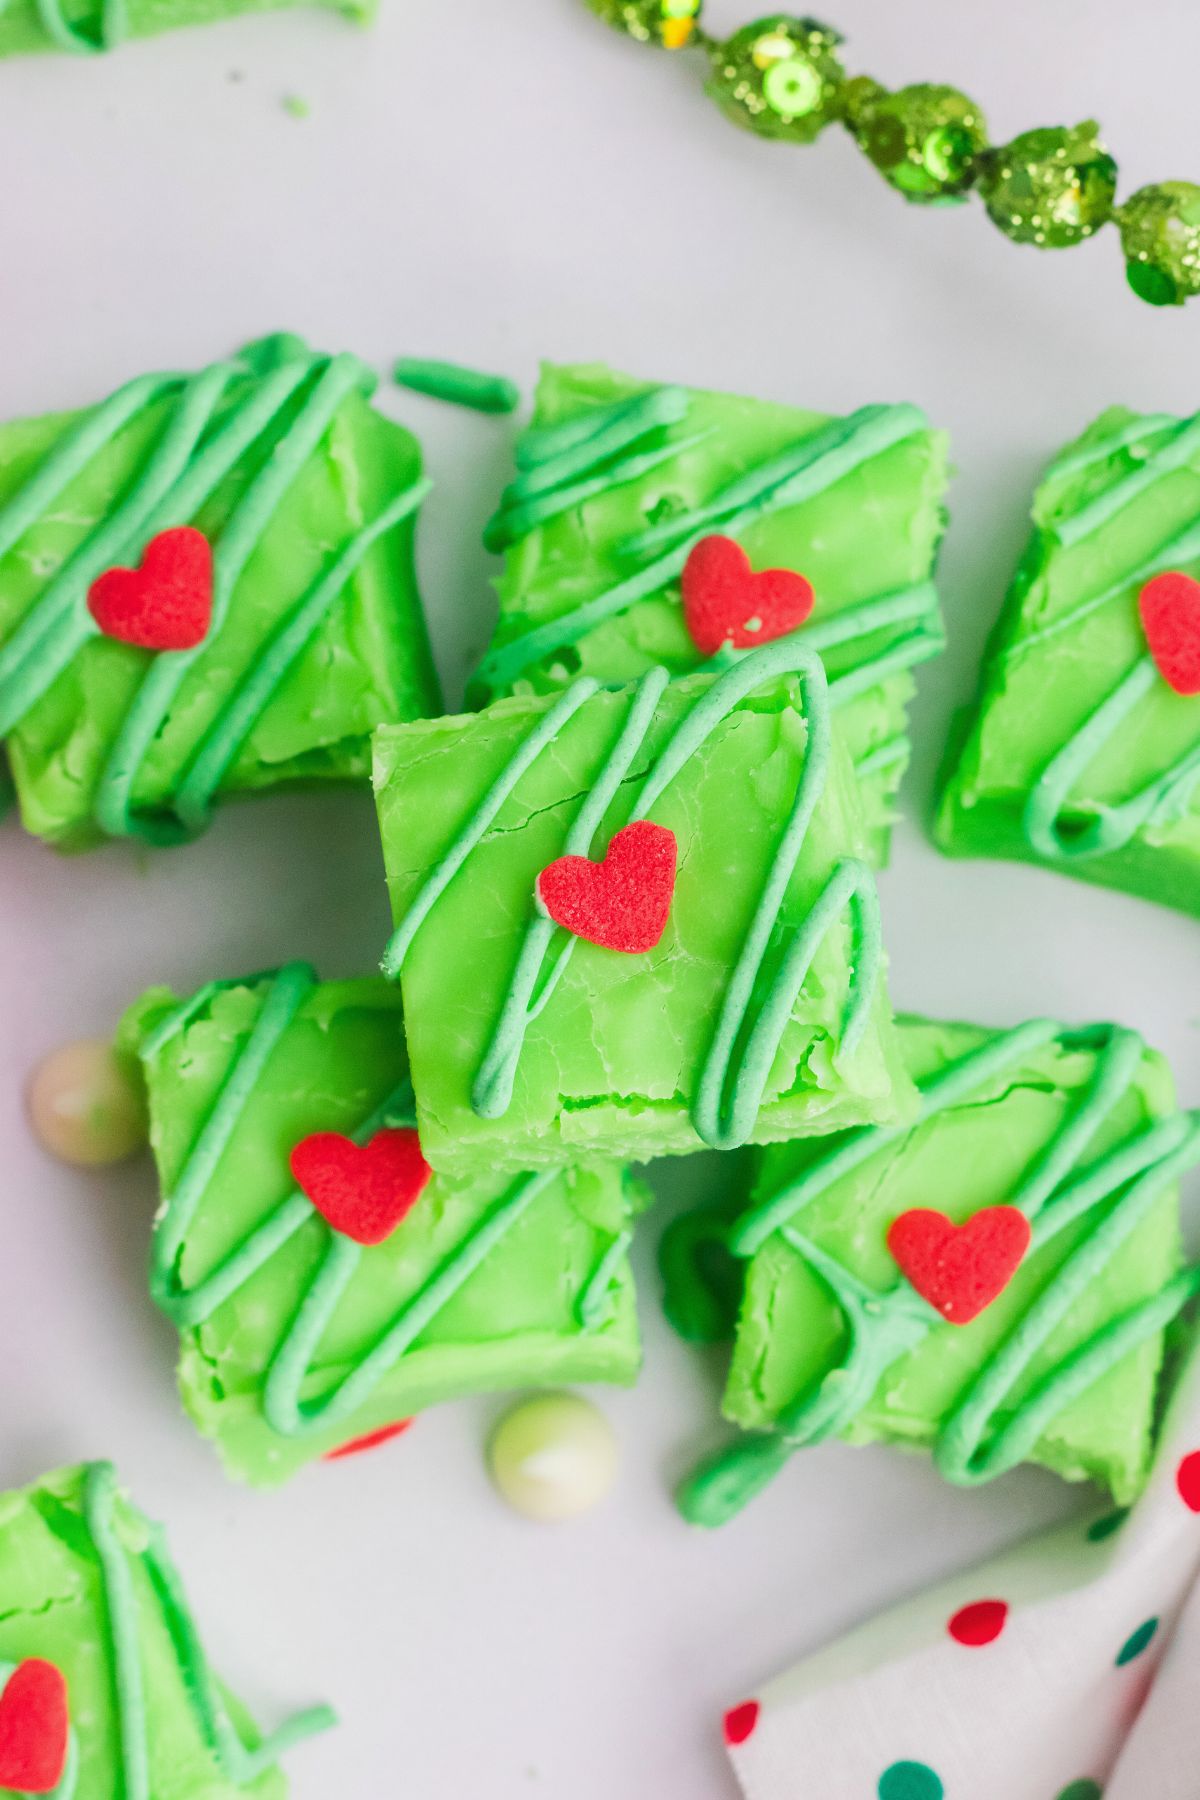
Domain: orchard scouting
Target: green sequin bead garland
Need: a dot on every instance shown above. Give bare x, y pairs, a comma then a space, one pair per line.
782, 77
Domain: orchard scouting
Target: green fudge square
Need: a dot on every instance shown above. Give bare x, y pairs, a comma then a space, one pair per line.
487, 1283
854, 504
307, 497
762, 1011
87, 1586
87, 26
1078, 755
1077, 1128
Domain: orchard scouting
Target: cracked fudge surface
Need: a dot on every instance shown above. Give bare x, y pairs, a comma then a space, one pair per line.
762, 1011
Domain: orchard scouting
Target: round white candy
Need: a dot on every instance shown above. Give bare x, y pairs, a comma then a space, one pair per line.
84, 1106
553, 1457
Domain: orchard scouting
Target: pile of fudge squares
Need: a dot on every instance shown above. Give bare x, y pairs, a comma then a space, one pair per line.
635, 908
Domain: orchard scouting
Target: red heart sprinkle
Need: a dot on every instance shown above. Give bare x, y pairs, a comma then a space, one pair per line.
1187, 1480
960, 1269
363, 1190
739, 1722
1170, 610
33, 1728
979, 1623
725, 602
621, 903
166, 602
369, 1441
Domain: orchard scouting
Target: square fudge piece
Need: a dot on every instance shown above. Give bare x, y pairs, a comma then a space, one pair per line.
327, 1292
86, 27
1083, 752
717, 978
266, 617
617, 481
105, 1685
1033, 1334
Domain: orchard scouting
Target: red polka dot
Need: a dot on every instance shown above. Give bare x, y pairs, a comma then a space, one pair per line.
371, 1441
1187, 1480
739, 1722
980, 1623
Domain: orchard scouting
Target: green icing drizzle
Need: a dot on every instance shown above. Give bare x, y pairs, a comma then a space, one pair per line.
795, 475
284, 1408
596, 1300
1109, 827
565, 466
110, 30
181, 474
1126, 437
881, 1327
286, 1413
238, 1763
458, 385
1174, 453
737, 1066
1174, 553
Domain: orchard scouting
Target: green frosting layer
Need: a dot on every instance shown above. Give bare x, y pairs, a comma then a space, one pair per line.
308, 497
86, 27
1078, 754
86, 1583
760, 1014
296, 1340
1066, 1125
616, 476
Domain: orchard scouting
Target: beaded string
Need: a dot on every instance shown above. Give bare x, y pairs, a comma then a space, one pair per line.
783, 78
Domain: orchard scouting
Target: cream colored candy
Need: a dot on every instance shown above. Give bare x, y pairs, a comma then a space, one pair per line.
553, 1457
84, 1107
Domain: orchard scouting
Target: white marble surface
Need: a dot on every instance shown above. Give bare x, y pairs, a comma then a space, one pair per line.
498, 182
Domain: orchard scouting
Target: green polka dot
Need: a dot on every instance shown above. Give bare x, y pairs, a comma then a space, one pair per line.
910, 1781
1099, 1529
1135, 1644
1082, 1790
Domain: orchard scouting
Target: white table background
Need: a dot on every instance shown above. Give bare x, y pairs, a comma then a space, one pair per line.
500, 180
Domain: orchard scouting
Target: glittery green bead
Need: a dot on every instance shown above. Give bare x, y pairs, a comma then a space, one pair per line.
1160, 235
670, 23
924, 140
779, 77
1052, 187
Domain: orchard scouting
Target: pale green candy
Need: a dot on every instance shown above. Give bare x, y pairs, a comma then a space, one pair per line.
553, 1457
85, 1106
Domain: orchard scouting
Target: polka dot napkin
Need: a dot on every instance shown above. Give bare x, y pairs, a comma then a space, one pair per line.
1068, 1669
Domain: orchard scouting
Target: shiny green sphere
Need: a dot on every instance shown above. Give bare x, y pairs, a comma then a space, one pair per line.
779, 77
1160, 235
924, 140
669, 23
1052, 187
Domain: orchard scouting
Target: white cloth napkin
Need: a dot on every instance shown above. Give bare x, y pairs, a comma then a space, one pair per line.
1065, 1670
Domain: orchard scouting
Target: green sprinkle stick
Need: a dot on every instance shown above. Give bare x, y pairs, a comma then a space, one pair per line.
458, 385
